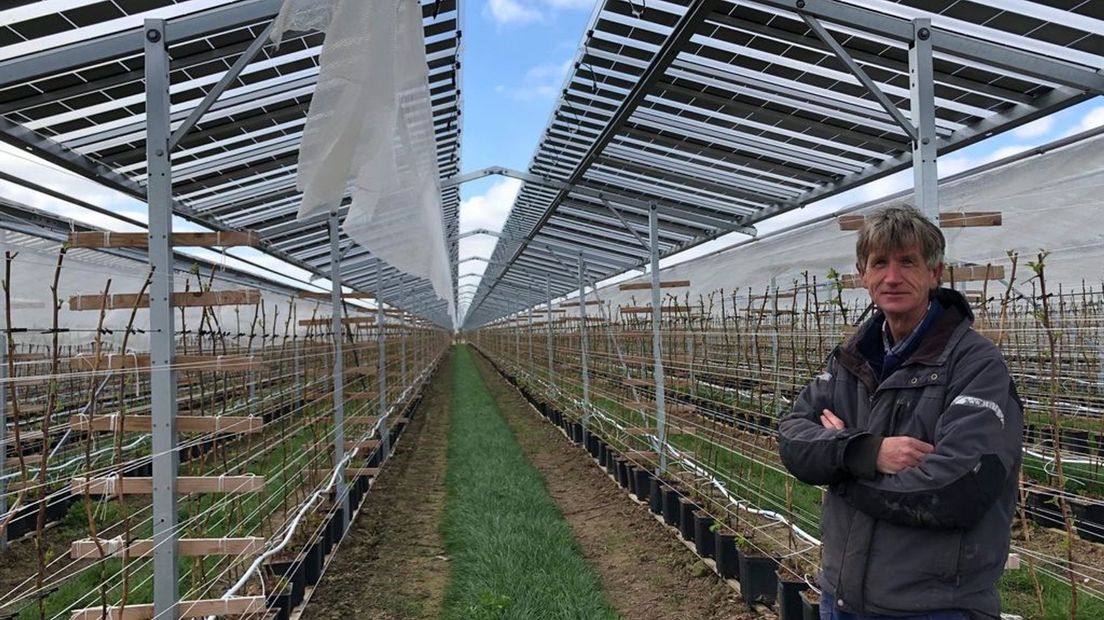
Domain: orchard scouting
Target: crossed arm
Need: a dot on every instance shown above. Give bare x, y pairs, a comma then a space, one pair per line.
950, 483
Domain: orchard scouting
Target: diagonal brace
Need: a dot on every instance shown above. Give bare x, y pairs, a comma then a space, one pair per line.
212, 95
856, 70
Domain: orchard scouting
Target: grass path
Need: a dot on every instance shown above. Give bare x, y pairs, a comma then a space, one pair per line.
512, 553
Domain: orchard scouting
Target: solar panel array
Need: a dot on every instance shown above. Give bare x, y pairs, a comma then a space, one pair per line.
72, 92
726, 113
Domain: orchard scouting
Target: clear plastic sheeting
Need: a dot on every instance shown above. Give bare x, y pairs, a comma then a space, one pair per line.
301, 16
370, 133
1052, 201
88, 272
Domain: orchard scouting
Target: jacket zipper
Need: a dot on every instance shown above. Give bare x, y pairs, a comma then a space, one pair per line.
890, 431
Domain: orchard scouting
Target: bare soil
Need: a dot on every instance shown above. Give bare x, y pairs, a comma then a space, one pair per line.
392, 564
646, 573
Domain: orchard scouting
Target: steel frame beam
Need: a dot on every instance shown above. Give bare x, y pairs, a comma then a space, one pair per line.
583, 342
166, 459
216, 91
385, 433
26, 68
856, 70
970, 48
657, 345
337, 310
922, 97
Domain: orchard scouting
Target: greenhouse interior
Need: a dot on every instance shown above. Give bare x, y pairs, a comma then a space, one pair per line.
269, 353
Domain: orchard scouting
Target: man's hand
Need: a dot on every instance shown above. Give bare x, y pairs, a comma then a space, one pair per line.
897, 453
830, 421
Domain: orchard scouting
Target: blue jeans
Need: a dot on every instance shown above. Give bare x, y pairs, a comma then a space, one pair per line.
829, 611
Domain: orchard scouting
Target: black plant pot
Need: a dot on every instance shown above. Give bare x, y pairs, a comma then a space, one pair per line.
603, 450
1089, 520
642, 483
296, 576
630, 476
758, 579
704, 541
789, 599
337, 526
592, 444
326, 538
1076, 441
280, 604
655, 495
313, 562
144, 470
25, 520
809, 609
374, 458
671, 506
56, 509
724, 551
612, 465
1043, 508
686, 519
624, 469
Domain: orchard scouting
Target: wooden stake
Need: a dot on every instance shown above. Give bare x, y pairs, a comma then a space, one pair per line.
104, 239
88, 549
234, 606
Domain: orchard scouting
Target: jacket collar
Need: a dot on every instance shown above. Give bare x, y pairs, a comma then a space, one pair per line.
934, 348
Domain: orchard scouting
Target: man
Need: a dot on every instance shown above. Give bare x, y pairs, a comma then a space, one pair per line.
915, 427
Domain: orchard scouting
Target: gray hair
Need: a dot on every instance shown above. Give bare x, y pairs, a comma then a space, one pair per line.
900, 227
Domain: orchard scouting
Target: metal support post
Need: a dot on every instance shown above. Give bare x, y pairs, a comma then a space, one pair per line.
402, 340
529, 329
166, 460
548, 324
583, 341
922, 95
657, 348
385, 433
297, 372
4, 427
338, 368
774, 348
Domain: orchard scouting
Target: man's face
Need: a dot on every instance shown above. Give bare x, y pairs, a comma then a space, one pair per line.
899, 280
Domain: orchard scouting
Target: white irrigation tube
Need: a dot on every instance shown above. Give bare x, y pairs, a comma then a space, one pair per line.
741, 504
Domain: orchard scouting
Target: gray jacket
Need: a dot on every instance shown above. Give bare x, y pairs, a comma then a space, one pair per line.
931, 537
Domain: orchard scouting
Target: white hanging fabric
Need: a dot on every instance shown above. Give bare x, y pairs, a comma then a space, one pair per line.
369, 132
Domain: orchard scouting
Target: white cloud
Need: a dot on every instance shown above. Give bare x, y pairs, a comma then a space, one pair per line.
540, 82
571, 4
1035, 128
489, 209
521, 12
1092, 119
504, 12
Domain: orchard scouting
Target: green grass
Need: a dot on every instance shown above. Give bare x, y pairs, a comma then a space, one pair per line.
1018, 597
512, 553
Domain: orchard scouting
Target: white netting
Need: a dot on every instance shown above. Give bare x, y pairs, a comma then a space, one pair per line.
370, 132
1053, 201
302, 15
86, 272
